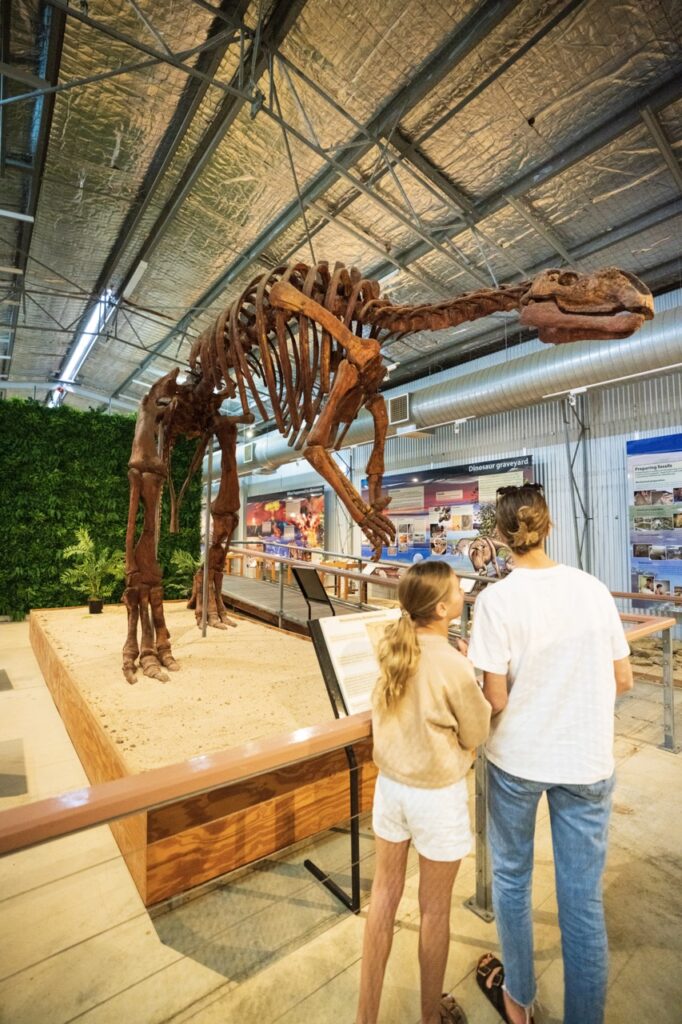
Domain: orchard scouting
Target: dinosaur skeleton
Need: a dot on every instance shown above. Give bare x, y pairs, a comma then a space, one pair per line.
313, 337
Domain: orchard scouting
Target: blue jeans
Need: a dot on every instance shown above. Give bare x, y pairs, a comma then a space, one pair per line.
579, 817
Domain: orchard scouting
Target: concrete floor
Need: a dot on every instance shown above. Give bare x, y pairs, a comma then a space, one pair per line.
270, 944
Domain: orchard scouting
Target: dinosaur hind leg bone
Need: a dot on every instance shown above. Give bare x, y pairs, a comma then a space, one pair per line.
225, 517
143, 596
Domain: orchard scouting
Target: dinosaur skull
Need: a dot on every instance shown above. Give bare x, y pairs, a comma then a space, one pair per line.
566, 306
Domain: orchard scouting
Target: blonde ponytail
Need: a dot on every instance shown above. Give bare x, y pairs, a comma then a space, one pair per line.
420, 590
398, 659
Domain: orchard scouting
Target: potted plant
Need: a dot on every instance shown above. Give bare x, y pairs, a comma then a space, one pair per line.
93, 573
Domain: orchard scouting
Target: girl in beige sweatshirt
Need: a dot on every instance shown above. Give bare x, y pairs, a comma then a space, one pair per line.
429, 715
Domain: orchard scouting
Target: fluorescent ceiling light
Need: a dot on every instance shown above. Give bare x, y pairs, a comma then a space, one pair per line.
388, 277
135, 279
612, 380
100, 315
12, 270
13, 215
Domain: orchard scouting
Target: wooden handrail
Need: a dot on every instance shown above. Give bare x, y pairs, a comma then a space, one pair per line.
649, 624
38, 822
79, 809
632, 596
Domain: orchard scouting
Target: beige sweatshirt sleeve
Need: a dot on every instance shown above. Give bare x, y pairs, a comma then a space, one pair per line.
469, 707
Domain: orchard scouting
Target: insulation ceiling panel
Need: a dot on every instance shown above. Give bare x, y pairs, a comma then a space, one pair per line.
558, 90
647, 249
202, 119
104, 136
615, 184
249, 177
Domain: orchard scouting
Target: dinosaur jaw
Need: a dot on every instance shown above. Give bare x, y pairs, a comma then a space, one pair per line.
556, 326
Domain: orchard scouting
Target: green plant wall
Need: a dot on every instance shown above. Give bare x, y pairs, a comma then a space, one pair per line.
60, 469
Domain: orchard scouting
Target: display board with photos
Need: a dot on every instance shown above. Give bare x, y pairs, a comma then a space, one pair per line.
655, 515
440, 512
293, 517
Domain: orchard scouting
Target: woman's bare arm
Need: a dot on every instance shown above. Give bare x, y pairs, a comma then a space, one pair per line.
622, 670
495, 691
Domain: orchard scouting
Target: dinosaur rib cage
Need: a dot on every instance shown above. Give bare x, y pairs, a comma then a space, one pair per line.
294, 357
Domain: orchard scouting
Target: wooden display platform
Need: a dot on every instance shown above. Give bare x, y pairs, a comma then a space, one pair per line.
181, 845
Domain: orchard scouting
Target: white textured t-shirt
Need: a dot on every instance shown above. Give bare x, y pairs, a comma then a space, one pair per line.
557, 632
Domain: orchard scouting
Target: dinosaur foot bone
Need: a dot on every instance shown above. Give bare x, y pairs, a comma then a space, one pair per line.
378, 529
144, 604
216, 616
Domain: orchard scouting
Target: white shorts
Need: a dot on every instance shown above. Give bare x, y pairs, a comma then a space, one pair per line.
436, 820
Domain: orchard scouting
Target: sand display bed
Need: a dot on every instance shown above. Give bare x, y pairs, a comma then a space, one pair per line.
233, 686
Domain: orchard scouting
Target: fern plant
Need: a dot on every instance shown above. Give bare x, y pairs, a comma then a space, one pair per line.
178, 581
93, 573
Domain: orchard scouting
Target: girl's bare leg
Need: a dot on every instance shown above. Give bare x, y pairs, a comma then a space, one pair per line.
436, 879
387, 888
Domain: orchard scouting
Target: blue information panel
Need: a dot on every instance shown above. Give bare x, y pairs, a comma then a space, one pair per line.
655, 515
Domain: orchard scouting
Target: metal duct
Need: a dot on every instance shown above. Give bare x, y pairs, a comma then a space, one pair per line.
514, 384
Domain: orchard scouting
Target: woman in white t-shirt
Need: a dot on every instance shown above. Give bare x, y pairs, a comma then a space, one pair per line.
554, 656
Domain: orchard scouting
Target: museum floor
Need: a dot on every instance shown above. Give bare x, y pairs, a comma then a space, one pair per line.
271, 945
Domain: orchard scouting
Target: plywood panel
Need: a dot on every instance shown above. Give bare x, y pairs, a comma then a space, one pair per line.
168, 821
198, 854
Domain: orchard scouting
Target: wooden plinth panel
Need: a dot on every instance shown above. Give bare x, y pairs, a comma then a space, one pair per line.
195, 840
187, 843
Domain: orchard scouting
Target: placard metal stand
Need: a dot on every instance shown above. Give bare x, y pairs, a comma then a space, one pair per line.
349, 669
352, 900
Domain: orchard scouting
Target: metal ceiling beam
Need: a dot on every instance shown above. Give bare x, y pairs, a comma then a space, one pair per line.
599, 136
644, 221
135, 44
537, 37
126, 404
662, 144
455, 48
5, 57
361, 236
414, 157
18, 74
190, 101
52, 38
282, 18
544, 230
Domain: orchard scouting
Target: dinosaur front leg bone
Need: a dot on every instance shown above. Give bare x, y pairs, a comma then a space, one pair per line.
225, 517
375, 466
377, 527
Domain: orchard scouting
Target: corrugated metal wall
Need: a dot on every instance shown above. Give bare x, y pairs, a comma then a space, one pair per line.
640, 408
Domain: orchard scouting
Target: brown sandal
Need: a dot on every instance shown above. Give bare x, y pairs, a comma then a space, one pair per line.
493, 992
450, 1011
